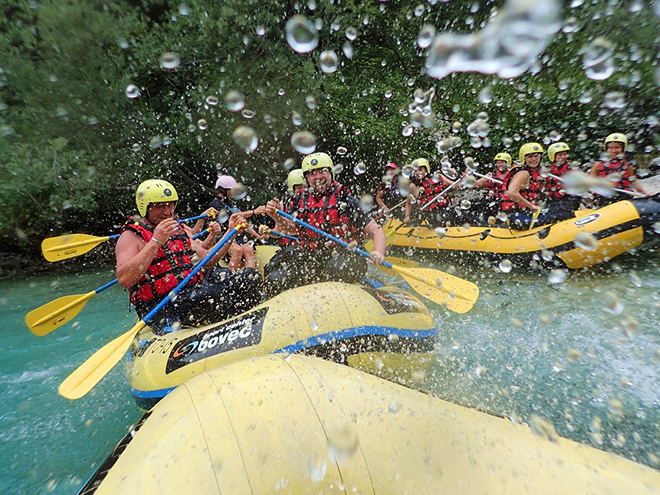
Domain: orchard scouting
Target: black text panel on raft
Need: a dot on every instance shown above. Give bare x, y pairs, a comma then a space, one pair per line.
386, 330
587, 238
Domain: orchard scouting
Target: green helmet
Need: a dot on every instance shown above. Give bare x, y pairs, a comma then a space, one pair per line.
422, 163
528, 149
616, 137
316, 161
154, 191
295, 178
505, 157
555, 148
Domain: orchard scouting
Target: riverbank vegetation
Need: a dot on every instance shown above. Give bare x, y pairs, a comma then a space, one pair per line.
97, 96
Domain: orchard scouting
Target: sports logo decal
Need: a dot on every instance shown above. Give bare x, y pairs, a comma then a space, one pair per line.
588, 219
234, 334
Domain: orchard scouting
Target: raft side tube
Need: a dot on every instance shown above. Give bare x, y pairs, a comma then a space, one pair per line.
298, 424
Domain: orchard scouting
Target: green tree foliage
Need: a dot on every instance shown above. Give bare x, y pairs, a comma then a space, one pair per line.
73, 146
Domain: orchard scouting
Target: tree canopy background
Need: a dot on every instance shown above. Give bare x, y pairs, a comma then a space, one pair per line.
74, 146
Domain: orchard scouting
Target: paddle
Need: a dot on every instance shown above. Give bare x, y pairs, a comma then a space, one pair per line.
492, 179
452, 292
69, 246
441, 193
398, 205
280, 234
52, 315
630, 193
535, 215
88, 374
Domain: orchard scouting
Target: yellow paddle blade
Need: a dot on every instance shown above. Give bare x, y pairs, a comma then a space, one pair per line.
46, 318
449, 291
535, 215
69, 246
399, 262
88, 374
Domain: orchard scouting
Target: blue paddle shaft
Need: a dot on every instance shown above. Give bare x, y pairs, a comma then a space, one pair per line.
286, 236
361, 252
194, 272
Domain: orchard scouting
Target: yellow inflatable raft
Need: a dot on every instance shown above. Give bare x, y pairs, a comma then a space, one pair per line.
295, 424
589, 238
383, 331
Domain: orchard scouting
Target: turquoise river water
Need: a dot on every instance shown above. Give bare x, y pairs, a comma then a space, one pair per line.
583, 354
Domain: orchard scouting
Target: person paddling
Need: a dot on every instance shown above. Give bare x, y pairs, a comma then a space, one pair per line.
494, 182
295, 187
326, 205
241, 253
554, 185
388, 194
425, 188
155, 253
617, 169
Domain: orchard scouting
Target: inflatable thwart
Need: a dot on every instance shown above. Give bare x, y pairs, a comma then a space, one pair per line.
296, 424
386, 331
585, 239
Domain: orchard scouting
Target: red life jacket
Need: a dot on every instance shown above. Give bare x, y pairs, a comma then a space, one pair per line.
326, 213
428, 191
554, 188
287, 206
495, 190
613, 166
170, 266
533, 192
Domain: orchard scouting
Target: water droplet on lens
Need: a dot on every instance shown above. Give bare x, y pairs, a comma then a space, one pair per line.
440, 232
169, 60
557, 276
612, 304
505, 266
155, 142
615, 99
407, 131
301, 34
202, 124
234, 101
360, 168
425, 37
304, 142
248, 114
347, 48
223, 216
366, 203
342, 443
351, 33
311, 102
211, 100
132, 91
184, 10
543, 428
239, 191
598, 60
341, 150
586, 241
329, 61
246, 138
338, 168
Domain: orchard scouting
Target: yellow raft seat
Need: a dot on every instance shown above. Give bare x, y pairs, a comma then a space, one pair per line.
589, 238
386, 331
295, 424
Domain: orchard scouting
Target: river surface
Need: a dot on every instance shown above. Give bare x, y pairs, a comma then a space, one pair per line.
583, 354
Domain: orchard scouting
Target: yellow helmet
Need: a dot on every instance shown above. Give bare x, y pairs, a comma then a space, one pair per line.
555, 148
154, 191
616, 137
295, 178
316, 161
528, 149
423, 162
505, 157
